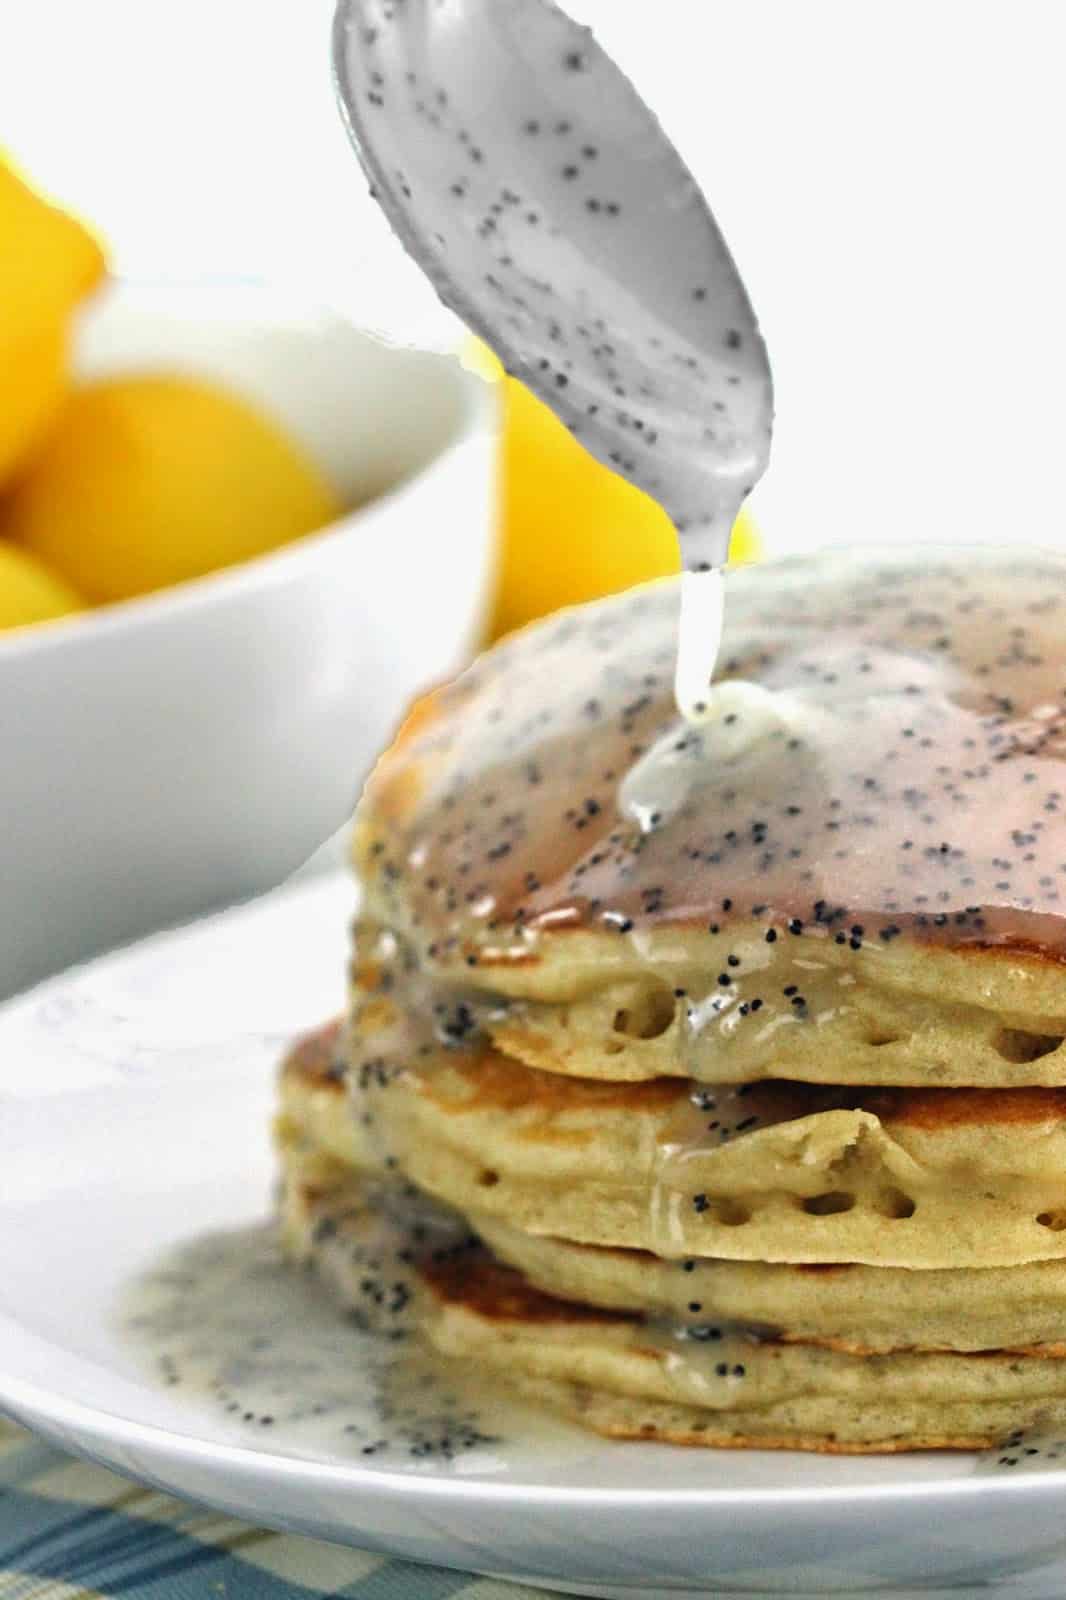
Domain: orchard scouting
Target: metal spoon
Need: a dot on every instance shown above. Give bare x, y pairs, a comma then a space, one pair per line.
524, 173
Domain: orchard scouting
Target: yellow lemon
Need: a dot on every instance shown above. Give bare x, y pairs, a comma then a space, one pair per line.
570, 529
29, 592
146, 481
48, 262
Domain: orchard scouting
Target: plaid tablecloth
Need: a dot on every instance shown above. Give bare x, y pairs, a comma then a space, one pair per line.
72, 1531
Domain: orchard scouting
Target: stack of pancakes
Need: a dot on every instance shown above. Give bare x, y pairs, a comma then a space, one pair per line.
751, 1099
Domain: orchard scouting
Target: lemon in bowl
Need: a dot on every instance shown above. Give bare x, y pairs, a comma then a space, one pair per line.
30, 592
49, 264
148, 480
186, 747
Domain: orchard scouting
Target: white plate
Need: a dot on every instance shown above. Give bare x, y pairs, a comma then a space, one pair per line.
133, 1114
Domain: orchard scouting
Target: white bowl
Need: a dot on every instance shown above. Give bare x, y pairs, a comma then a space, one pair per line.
184, 750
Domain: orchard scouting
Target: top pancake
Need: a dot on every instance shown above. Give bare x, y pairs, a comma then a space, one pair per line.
869, 844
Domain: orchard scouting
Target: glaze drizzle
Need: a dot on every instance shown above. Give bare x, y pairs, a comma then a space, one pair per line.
895, 763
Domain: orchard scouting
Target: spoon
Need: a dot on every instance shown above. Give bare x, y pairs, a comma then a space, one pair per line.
523, 172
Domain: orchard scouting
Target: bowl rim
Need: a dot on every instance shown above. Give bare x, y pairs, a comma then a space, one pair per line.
478, 416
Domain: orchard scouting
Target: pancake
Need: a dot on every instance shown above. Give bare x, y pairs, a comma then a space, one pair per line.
887, 1032
857, 872
857, 1308
634, 1027
621, 1378
629, 1377
779, 1172
723, 1066
862, 1310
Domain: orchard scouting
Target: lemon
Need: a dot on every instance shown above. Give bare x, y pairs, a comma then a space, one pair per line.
570, 529
29, 592
149, 480
48, 263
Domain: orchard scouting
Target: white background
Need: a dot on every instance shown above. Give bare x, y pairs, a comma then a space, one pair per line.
888, 174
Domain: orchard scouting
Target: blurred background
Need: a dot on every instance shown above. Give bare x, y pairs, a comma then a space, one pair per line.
886, 173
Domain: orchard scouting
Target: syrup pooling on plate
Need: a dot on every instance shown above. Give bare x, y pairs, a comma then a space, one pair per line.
524, 173
1036, 1449
225, 1319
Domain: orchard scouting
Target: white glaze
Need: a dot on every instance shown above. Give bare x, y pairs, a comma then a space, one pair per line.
226, 1319
524, 173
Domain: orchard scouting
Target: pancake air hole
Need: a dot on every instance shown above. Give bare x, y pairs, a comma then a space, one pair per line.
828, 1205
730, 1214
648, 1015
1014, 1045
895, 1205
488, 1179
1055, 1220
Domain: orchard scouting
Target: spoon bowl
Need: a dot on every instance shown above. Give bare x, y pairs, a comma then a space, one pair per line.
524, 173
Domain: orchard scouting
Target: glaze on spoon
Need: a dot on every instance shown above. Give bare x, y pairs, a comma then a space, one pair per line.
524, 173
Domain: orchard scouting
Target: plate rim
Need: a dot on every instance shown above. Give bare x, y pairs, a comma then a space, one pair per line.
31, 1404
